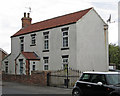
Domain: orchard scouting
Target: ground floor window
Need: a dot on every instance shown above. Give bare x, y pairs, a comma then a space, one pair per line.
33, 67
6, 66
65, 61
45, 67
46, 61
65, 66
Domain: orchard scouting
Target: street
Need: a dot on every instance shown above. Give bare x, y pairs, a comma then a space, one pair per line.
16, 88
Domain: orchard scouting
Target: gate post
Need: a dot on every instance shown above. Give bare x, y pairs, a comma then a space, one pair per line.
48, 76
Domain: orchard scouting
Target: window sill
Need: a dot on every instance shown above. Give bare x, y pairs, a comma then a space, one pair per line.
33, 45
45, 51
66, 48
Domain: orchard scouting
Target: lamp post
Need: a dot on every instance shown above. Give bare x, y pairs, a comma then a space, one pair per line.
66, 68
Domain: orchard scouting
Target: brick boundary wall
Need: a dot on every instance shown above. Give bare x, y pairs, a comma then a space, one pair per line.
38, 78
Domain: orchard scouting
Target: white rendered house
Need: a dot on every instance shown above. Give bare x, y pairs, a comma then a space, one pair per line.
78, 40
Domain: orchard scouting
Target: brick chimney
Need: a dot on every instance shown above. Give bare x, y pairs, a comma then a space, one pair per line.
26, 20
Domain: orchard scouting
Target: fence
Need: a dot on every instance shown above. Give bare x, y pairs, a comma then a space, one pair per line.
46, 78
60, 78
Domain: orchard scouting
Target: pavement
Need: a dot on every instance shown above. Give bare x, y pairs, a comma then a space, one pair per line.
17, 88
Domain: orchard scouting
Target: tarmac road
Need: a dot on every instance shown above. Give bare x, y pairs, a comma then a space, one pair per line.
16, 88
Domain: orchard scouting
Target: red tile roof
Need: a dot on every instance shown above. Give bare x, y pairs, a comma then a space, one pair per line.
30, 55
54, 22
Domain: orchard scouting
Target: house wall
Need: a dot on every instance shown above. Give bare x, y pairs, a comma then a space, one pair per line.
91, 52
37, 65
8, 58
55, 44
3, 54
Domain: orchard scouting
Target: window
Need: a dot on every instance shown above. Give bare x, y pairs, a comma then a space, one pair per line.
22, 47
65, 61
65, 36
113, 79
85, 77
46, 61
6, 66
21, 43
33, 66
33, 39
21, 66
95, 78
46, 40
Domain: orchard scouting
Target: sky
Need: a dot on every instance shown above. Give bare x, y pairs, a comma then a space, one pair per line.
11, 12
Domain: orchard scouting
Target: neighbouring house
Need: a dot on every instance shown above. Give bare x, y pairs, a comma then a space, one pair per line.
3, 54
78, 40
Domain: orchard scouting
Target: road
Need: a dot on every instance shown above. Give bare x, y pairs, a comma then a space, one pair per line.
16, 88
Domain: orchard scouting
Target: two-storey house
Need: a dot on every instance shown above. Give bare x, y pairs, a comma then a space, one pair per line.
78, 40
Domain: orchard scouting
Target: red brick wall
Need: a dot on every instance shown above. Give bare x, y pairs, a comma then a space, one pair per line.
39, 78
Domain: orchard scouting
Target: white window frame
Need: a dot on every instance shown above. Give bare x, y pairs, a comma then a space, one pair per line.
33, 39
65, 34
21, 43
34, 65
46, 40
6, 67
64, 62
46, 61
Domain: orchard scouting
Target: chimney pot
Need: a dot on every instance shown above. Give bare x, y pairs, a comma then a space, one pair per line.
28, 15
25, 14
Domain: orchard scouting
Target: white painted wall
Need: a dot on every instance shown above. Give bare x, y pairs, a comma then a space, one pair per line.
37, 65
91, 53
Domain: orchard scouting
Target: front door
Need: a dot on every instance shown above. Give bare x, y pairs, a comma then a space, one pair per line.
21, 66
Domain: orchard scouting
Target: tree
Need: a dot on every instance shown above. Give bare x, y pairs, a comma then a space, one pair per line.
114, 54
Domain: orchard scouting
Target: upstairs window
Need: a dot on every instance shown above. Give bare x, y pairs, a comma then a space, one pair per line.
21, 43
46, 40
33, 39
65, 37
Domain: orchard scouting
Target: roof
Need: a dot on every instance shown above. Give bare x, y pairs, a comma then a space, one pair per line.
90, 72
54, 22
3, 51
31, 55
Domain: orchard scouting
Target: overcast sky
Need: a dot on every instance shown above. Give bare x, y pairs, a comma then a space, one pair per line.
11, 12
